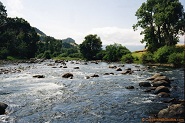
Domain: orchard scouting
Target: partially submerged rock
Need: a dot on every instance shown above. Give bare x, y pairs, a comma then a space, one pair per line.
122, 65
173, 111
113, 66
127, 72
65, 66
68, 75
155, 76
161, 89
144, 84
95, 75
160, 83
3, 106
87, 77
108, 74
118, 69
129, 87
76, 68
38, 76
163, 94
161, 78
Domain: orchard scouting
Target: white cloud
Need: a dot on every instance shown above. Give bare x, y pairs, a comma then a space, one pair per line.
110, 35
15, 8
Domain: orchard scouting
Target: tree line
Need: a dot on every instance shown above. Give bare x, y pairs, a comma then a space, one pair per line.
17, 37
162, 21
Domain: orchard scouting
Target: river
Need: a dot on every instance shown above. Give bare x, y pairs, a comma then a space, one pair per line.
102, 99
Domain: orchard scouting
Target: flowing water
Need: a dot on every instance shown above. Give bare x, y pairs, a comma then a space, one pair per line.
102, 99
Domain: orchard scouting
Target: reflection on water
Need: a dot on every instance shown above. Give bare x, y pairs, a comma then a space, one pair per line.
54, 99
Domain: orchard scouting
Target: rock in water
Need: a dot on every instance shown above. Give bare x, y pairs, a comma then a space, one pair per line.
129, 87
76, 68
173, 111
144, 84
118, 69
67, 75
155, 76
95, 75
161, 78
38, 76
160, 83
3, 106
161, 89
163, 94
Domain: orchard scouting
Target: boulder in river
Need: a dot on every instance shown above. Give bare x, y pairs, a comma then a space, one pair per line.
127, 72
3, 106
161, 89
129, 69
85, 63
65, 66
129, 87
118, 69
76, 68
87, 77
155, 76
59, 61
38, 76
106, 74
68, 75
144, 84
163, 94
122, 65
160, 83
95, 75
160, 78
113, 66
173, 111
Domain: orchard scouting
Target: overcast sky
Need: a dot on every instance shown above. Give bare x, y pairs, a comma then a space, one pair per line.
111, 20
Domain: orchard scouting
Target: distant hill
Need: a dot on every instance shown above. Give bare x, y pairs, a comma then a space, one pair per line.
40, 33
68, 40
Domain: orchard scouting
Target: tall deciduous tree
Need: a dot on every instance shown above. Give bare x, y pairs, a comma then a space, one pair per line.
90, 47
162, 21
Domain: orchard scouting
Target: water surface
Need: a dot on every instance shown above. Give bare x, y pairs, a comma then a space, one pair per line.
102, 99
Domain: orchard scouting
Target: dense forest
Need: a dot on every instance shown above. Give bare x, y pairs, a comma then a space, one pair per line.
162, 22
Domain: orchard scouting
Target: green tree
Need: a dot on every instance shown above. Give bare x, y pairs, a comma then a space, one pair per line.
3, 14
19, 38
115, 52
90, 47
162, 54
177, 59
162, 21
128, 58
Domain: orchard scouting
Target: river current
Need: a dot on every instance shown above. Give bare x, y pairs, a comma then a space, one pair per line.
102, 99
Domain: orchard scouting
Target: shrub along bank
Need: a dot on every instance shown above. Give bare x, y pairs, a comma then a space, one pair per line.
164, 55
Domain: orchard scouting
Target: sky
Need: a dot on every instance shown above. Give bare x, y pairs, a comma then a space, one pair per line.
111, 20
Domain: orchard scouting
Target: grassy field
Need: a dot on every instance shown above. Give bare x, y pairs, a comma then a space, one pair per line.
137, 56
